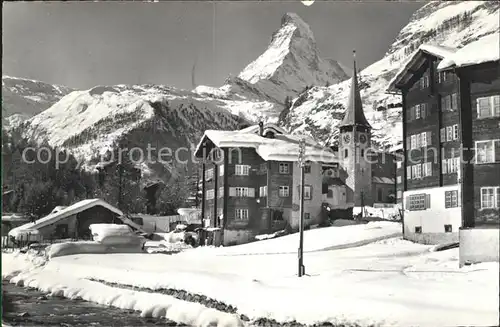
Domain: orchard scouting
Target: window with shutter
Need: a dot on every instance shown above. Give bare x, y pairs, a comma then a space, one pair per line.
221, 192
429, 138
423, 139
496, 105
242, 170
454, 102
417, 111
444, 166
418, 202
284, 191
443, 134
427, 201
449, 133
408, 143
485, 151
484, 107
232, 191
455, 132
413, 142
408, 172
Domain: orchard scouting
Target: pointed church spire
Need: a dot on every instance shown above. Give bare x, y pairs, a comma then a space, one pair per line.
354, 115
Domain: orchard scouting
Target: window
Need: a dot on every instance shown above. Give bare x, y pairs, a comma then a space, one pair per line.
307, 215
345, 153
329, 194
455, 132
284, 191
427, 169
307, 169
418, 229
442, 135
263, 167
284, 168
424, 82
241, 214
416, 171
447, 228
443, 77
488, 151
221, 192
221, 170
417, 111
450, 166
451, 199
418, 202
488, 106
242, 170
209, 174
307, 192
408, 172
449, 102
423, 139
263, 191
210, 194
399, 194
399, 164
398, 179
362, 153
490, 197
242, 191
413, 142
380, 195
449, 133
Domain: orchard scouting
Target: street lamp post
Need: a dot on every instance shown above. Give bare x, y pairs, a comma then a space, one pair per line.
302, 151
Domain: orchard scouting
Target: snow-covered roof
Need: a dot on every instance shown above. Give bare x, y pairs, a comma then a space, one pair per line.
14, 217
417, 59
283, 147
66, 212
486, 49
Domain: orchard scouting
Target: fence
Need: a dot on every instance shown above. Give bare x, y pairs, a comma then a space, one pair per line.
24, 240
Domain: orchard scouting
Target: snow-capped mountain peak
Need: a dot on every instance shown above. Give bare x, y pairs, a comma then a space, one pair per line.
291, 62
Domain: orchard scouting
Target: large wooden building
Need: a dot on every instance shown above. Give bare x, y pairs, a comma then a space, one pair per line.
251, 181
451, 131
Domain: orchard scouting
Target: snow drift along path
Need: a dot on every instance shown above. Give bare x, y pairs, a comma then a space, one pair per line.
150, 305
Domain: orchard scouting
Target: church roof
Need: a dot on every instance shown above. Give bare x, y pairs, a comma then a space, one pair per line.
354, 115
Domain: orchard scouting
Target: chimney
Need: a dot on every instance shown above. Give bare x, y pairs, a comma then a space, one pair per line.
261, 128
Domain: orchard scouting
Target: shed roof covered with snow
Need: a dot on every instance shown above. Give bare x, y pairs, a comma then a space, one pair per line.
61, 214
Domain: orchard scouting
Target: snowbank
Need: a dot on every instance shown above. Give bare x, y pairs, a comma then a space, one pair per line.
150, 305
85, 247
100, 231
318, 239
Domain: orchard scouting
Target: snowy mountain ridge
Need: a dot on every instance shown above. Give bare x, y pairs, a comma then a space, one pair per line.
318, 111
28, 97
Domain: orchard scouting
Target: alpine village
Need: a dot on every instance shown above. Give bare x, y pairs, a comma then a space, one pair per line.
378, 187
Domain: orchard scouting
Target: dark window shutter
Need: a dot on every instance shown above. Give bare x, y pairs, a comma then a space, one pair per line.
427, 201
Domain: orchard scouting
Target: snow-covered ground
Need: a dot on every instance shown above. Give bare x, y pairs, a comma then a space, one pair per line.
389, 282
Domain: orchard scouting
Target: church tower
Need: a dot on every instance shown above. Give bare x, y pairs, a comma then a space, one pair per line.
354, 142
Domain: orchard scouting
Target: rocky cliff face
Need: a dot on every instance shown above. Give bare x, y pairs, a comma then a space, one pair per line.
454, 24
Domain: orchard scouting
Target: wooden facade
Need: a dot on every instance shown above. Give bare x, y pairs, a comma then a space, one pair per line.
443, 184
246, 195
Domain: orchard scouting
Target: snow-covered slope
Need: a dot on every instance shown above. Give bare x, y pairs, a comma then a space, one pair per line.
453, 24
290, 63
28, 97
90, 122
